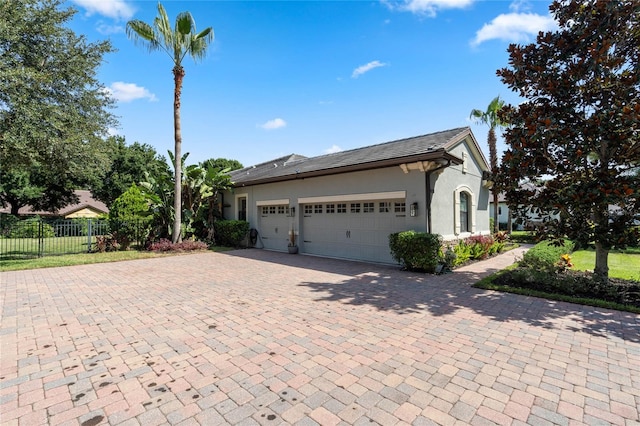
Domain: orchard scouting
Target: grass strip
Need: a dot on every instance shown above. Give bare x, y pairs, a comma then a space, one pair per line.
88, 258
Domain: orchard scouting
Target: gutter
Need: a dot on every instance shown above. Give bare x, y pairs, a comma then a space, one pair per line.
350, 168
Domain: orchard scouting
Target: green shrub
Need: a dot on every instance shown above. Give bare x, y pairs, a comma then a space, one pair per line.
129, 217
416, 251
230, 233
523, 237
31, 228
545, 255
463, 253
572, 283
7, 221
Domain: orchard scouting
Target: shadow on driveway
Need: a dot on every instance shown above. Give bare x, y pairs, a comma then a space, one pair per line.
387, 288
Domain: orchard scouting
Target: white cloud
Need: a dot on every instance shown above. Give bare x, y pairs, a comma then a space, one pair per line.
276, 123
116, 9
519, 6
514, 27
127, 92
108, 29
112, 131
333, 149
426, 7
366, 68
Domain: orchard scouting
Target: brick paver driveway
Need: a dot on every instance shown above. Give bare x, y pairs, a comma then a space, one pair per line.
255, 337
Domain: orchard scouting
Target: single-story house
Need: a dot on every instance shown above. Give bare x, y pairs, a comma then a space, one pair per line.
86, 207
529, 221
346, 204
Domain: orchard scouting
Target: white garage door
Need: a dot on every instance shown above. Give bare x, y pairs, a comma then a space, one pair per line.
274, 226
352, 230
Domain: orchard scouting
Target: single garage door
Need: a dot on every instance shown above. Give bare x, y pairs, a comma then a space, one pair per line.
274, 226
352, 229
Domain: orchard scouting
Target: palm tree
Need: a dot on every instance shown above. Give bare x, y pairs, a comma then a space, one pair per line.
177, 43
490, 118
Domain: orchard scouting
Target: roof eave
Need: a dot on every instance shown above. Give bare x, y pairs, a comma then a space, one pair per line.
434, 155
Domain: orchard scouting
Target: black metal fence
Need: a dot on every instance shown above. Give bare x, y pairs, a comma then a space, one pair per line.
38, 237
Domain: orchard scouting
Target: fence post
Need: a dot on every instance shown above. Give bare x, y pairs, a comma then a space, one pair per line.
40, 238
89, 233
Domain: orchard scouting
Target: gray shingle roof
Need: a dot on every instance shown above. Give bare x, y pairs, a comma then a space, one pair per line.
418, 148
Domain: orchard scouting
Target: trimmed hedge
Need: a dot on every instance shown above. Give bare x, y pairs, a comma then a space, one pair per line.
230, 233
416, 251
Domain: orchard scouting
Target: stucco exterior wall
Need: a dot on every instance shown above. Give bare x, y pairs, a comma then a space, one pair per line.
444, 186
372, 181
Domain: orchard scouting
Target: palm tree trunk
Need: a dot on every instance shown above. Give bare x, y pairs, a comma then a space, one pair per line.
178, 75
493, 163
496, 225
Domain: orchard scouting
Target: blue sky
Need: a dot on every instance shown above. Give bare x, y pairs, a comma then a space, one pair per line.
311, 77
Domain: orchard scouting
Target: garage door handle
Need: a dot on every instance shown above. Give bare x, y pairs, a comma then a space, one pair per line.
348, 234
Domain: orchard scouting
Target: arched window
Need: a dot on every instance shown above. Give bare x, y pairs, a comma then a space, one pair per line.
464, 212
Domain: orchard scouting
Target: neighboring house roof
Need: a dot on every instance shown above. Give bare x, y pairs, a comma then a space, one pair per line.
420, 148
85, 201
502, 197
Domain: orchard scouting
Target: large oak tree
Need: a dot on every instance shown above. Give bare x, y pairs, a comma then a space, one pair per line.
577, 134
54, 113
129, 164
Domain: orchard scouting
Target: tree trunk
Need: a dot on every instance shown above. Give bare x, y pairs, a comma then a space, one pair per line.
15, 207
178, 75
496, 225
601, 269
493, 163
211, 231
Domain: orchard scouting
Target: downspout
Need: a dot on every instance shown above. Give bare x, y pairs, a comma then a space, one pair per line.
428, 184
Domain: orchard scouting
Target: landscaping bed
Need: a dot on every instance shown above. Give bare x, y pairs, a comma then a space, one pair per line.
579, 284
547, 271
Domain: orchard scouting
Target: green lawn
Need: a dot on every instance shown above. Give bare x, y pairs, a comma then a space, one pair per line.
11, 248
621, 265
85, 258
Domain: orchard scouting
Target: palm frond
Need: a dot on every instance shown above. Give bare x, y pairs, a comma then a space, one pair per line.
142, 33
163, 27
185, 24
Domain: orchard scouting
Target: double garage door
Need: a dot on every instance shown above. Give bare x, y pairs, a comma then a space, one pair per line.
357, 229
352, 229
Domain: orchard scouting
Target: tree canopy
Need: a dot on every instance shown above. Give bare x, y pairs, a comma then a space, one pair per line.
578, 131
222, 163
54, 113
129, 165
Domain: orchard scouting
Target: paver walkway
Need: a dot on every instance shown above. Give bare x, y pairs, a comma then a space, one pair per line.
256, 337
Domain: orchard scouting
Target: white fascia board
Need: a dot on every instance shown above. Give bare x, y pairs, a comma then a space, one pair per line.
392, 195
282, 201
